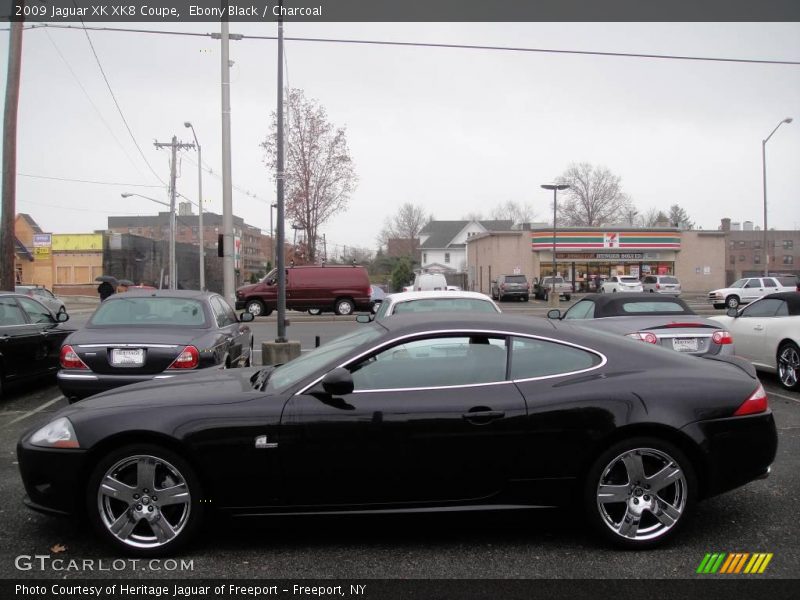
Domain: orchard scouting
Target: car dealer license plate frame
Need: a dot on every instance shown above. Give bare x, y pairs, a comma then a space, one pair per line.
688, 344
127, 357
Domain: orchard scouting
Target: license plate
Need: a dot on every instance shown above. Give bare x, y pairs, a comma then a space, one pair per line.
684, 344
127, 358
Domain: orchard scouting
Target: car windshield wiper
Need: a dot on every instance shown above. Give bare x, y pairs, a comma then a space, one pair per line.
260, 378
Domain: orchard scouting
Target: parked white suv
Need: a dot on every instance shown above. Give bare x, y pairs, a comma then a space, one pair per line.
619, 283
662, 284
746, 290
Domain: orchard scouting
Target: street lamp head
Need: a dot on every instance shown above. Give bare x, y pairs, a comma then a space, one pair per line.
126, 195
787, 120
187, 124
555, 186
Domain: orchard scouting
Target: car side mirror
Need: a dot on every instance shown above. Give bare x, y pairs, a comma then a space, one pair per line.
62, 317
363, 318
732, 312
270, 281
554, 314
246, 317
338, 382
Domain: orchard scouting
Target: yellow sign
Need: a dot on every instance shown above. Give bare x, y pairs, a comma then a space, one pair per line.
42, 252
77, 241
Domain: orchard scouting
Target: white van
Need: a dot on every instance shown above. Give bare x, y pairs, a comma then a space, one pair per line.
429, 282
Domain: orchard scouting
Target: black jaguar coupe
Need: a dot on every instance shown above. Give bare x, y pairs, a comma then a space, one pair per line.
457, 412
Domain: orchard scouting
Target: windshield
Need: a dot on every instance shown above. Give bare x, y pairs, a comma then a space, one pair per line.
550, 280
516, 279
295, 371
740, 283
149, 312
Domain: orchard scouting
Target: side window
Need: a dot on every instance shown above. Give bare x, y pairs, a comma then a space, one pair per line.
768, 307
539, 358
10, 313
230, 314
433, 362
219, 312
582, 310
36, 312
753, 283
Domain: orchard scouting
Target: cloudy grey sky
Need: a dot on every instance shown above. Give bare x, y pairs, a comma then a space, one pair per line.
454, 130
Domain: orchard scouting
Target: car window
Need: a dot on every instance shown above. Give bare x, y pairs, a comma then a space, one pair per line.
740, 283
433, 362
516, 279
753, 283
670, 280
581, 310
383, 309
10, 312
427, 305
629, 279
649, 279
766, 307
654, 306
541, 358
222, 312
149, 312
36, 311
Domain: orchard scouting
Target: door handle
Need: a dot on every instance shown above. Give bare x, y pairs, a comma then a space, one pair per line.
484, 416
759, 328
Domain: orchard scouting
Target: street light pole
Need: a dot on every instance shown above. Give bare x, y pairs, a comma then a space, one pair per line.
200, 206
555, 187
787, 120
271, 235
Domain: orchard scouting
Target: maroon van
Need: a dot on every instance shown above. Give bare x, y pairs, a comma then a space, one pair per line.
338, 288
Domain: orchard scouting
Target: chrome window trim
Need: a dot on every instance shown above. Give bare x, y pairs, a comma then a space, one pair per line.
433, 387
111, 345
497, 332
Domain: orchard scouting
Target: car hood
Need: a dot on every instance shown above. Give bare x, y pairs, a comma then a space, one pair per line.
207, 386
136, 335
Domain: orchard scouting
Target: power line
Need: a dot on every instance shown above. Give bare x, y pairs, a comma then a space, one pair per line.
88, 181
439, 45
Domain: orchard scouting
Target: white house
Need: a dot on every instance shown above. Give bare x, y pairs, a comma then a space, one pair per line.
443, 244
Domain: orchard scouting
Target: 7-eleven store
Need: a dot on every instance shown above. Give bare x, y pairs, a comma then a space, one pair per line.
583, 254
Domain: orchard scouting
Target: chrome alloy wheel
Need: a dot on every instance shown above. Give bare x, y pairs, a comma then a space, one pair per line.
143, 501
642, 494
788, 366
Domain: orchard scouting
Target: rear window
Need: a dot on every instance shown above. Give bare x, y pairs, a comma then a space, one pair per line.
787, 281
651, 307
149, 312
444, 305
669, 280
629, 279
516, 279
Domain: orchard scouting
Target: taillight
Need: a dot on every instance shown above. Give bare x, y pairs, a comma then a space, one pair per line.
644, 336
189, 358
722, 337
658, 286
756, 403
70, 359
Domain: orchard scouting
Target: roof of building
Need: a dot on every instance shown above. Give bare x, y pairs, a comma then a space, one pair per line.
441, 233
162, 219
29, 219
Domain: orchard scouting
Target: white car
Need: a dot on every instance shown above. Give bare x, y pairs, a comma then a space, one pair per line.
746, 290
621, 283
438, 301
43, 295
767, 333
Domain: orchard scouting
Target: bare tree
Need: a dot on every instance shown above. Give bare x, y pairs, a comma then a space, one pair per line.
513, 211
319, 170
594, 198
473, 216
652, 217
405, 224
678, 217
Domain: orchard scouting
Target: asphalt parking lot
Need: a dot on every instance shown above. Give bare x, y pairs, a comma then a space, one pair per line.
760, 517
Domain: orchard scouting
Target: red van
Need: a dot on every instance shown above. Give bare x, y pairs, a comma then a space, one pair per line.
340, 288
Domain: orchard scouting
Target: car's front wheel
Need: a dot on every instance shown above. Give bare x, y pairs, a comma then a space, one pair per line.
255, 307
144, 500
638, 492
344, 306
789, 365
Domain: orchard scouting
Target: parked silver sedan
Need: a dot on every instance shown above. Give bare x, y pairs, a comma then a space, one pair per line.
436, 301
652, 318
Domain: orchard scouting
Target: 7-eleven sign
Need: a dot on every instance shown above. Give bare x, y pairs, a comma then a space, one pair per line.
610, 240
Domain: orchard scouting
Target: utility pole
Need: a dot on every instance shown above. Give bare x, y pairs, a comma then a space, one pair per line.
7, 274
324, 248
228, 283
175, 145
280, 177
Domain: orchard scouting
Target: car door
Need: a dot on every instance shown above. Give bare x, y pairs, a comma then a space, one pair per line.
430, 419
754, 326
236, 335
753, 289
49, 335
19, 340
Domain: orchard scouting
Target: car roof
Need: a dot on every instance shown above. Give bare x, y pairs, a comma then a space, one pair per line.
144, 293
792, 300
411, 322
425, 295
609, 305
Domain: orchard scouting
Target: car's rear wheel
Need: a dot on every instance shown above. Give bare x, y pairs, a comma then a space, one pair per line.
315, 311
789, 365
144, 500
526, 298
344, 306
568, 297
732, 301
638, 492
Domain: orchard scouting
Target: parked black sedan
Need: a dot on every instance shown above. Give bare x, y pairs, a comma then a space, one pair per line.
459, 412
152, 334
30, 338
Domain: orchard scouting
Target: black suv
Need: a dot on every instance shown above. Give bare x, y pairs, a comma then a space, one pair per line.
511, 286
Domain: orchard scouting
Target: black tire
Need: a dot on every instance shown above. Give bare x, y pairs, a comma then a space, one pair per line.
315, 311
256, 308
788, 361
526, 298
344, 306
568, 297
732, 302
141, 531
628, 512
546, 296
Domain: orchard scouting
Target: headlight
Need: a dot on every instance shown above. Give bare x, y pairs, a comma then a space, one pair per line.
56, 434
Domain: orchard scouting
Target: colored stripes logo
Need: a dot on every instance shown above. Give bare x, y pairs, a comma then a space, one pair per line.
734, 563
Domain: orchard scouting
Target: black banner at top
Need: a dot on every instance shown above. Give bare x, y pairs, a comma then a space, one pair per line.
399, 10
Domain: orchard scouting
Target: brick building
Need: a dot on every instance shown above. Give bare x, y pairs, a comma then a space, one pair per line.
744, 251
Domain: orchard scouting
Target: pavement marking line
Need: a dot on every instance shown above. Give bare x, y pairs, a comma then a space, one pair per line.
784, 397
34, 411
